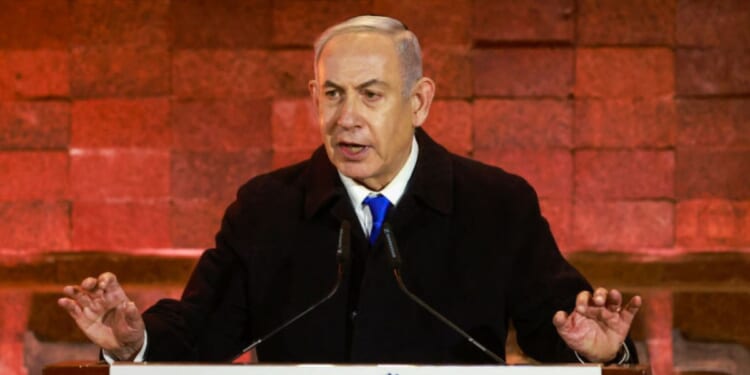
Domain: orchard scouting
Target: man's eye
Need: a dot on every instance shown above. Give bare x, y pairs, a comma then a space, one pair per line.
331, 94
371, 95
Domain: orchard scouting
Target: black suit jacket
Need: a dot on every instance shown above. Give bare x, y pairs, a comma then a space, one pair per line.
474, 246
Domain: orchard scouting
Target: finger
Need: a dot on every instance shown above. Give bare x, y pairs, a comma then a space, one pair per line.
89, 284
79, 295
600, 297
132, 315
614, 300
70, 291
582, 301
559, 319
71, 307
632, 307
108, 282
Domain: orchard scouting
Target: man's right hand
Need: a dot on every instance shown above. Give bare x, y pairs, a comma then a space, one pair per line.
105, 314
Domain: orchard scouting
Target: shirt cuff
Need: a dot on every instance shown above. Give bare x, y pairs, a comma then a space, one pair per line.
622, 357
138, 357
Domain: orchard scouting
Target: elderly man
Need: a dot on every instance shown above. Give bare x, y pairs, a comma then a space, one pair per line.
474, 245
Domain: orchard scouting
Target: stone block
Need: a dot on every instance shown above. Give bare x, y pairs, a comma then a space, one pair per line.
35, 24
40, 125
656, 314
624, 72
548, 171
13, 314
438, 22
449, 123
121, 123
623, 225
39, 354
103, 22
34, 74
713, 315
29, 175
215, 176
50, 322
221, 24
35, 225
293, 69
654, 271
613, 22
523, 72
195, 222
216, 74
713, 224
121, 226
120, 71
707, 357
166, 268
119, 174
450, 68
707, 23
706, 123
712, 71
625, 123
221, 125
624, 175
712, 174
295, 125
533, 21
522, 124
298, 22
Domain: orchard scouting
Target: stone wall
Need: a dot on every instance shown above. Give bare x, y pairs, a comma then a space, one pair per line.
126, 126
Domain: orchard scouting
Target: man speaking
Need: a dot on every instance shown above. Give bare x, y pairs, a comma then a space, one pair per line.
473, 245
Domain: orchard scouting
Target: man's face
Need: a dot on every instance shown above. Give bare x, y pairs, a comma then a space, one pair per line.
365, 120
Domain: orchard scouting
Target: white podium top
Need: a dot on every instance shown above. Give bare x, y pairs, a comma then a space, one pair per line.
310, 369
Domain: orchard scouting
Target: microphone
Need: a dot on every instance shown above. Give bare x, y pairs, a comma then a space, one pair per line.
395, 262
342, 257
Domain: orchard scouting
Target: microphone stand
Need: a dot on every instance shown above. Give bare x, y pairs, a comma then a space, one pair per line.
342, 256
395, 261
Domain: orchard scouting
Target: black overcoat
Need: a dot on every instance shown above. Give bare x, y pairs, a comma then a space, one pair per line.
474, 246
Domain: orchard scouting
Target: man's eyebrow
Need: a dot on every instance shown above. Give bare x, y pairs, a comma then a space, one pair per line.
328, 83
361, 86
371, 82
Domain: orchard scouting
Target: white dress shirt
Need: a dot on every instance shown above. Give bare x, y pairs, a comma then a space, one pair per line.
393, 191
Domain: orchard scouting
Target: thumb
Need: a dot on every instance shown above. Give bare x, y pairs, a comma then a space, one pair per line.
559, 319
132, 315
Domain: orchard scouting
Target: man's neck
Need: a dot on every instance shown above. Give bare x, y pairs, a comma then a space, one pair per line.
394, 189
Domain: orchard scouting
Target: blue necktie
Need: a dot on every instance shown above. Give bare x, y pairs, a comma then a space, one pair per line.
378, 207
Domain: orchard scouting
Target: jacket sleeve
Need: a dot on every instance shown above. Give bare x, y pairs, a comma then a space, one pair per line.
210, 322
546, 283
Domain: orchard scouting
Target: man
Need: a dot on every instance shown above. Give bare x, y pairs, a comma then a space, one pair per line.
473, 241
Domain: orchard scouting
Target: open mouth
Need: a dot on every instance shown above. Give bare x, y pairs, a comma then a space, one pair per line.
352, 148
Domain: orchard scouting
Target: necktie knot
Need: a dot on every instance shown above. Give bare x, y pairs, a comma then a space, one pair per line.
379, 205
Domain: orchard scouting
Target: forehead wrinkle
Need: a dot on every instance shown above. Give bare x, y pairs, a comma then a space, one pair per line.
368, 83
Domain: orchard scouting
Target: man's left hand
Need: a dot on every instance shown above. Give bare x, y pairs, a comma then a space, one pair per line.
598, 326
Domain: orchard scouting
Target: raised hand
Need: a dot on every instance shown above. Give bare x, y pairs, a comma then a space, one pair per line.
599, 324
106, 315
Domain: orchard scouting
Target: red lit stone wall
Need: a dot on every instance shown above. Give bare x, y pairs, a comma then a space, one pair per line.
126, 126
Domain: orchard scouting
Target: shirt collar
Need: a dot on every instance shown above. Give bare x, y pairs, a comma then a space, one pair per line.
393, 191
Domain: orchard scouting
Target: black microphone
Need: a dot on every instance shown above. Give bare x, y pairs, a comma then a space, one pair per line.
342, 257
395, 261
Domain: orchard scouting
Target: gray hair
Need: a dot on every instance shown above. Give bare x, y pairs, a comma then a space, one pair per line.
407, 45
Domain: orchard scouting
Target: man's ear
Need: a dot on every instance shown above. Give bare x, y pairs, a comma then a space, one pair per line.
312, 87
421, 99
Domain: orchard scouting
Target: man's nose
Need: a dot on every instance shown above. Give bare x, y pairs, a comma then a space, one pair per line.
348, 112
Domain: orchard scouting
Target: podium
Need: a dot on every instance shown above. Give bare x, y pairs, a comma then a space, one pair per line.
99, 368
